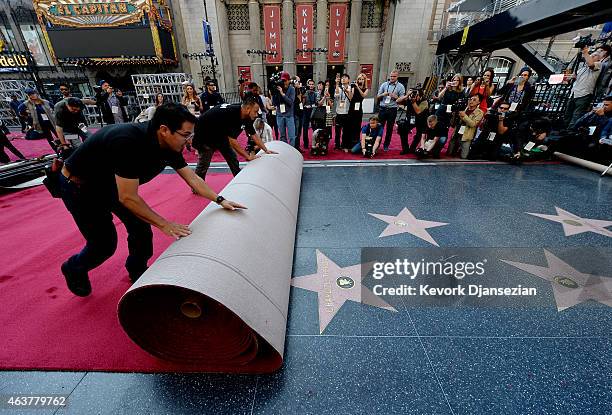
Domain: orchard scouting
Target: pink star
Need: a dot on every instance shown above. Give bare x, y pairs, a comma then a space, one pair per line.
405, 222
573, 224
336, 285
569, 285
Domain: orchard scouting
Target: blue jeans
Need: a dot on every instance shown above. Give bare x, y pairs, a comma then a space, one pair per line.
286, 127
92, 211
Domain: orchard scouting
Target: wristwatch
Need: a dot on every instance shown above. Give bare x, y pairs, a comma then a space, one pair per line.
219, 199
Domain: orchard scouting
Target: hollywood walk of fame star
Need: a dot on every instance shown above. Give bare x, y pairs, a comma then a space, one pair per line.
405, 222
569, 285
573, 224
336, 285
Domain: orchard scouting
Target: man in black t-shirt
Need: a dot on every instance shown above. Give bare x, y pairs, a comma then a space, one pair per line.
102, 177
69, 119
210, 97
429, 144
219, 128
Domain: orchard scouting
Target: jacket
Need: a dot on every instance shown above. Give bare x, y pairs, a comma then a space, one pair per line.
471, 123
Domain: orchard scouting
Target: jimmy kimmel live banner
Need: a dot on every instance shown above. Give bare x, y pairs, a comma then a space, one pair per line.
304, 29
337, 33
272, 32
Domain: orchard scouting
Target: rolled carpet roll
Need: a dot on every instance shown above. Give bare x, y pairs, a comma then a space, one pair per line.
217, 300
584, 163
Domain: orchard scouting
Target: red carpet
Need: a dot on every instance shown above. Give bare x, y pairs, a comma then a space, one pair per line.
36, 148
44, 326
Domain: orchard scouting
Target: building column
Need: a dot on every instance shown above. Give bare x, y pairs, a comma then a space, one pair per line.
255, 25
288, 38
353, 47
228, 72
320, 66
385, 55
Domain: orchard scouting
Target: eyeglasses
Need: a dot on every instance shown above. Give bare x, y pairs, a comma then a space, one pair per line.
186, 136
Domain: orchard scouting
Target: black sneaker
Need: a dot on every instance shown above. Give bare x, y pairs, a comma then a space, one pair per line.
78, 283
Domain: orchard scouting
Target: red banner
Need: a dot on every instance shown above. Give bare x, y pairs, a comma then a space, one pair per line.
368, 70
244, 72
304, 25
337, 33
272, 32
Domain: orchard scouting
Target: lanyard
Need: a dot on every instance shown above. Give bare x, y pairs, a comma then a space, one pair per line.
394, 86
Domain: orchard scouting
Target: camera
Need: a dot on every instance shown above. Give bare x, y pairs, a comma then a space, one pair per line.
460, 105
585, 41
369, 148
275, 81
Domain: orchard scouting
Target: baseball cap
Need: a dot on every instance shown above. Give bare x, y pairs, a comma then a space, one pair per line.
285, 76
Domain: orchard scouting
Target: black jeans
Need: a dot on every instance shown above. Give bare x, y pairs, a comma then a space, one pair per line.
5, 142
92, 211
387, 117
307, 113
205, 155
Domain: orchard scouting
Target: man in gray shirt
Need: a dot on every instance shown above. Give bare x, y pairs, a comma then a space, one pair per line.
388, 94
584, 85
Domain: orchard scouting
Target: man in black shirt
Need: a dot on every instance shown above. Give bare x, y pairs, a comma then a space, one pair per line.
102, 177
210, 97
219, 128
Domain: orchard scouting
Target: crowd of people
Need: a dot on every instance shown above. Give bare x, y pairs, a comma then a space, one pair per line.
472, 118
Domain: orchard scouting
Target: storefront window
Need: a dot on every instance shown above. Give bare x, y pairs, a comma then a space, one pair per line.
35, 46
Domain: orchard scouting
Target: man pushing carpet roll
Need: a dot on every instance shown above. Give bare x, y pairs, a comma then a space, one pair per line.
102, 177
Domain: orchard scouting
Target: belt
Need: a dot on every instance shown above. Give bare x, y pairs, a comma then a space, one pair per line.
73, 179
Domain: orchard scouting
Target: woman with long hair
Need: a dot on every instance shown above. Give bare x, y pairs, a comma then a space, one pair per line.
484, 86
452, 92
191, 100
360, 91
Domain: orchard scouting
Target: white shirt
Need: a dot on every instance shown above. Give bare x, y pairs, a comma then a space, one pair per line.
266, 134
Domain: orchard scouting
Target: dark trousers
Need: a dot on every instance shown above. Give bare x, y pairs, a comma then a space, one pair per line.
5, 142
576, 108
298, 128
415, 141
272, 123
387, 117
92, 212
305, 127
342, 131
205, 155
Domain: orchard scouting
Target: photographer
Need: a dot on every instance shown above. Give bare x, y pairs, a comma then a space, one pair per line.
360, 91
343, 96
371, 135
388, 94
484, 86
298, 109
469, 120
497, 137
517, 92
583, 88
416, 116
449, 96
430, 142
283, 99
43, 119
309, 101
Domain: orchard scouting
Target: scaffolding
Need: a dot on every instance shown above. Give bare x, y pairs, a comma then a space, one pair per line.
8, 89
149, 85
